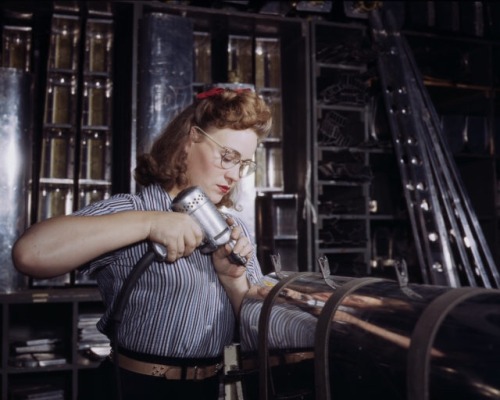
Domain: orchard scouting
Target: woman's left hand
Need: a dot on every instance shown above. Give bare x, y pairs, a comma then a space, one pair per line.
242, 246
233, 276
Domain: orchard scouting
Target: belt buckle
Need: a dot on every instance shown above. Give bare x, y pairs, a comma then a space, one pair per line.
159, 370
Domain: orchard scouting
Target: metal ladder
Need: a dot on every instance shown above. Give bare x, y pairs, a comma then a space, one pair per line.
451, 247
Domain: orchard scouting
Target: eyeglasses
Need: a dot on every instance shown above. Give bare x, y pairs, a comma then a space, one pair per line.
230, 157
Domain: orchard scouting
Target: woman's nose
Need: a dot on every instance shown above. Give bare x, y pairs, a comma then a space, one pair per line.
234, 173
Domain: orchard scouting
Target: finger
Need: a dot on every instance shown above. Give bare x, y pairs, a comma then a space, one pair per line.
189, 248
243, 247
190, 243
247, 250
181, 246
236, 232
241, 243
171, 253
239, 257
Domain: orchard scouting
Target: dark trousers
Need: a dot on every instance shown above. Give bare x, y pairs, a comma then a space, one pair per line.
139, 387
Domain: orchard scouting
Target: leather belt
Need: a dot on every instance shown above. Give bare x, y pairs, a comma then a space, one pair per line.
174, 372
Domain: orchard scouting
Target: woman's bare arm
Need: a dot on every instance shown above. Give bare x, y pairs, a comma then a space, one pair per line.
61, 244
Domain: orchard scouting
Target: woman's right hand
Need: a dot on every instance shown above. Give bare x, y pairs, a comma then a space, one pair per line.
177, 232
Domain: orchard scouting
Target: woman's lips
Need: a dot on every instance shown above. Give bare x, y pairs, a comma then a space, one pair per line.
224, 189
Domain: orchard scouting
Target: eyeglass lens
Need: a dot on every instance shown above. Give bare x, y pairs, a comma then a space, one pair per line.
230, 158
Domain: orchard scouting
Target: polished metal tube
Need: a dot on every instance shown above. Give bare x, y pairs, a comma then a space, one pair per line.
15, 168
375, 338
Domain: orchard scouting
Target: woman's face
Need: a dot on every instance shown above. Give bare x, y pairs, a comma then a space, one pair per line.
204, 159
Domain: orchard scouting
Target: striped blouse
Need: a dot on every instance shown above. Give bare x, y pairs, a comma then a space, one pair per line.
176, 309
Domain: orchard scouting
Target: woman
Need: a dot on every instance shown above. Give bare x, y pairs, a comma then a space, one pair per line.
182, 311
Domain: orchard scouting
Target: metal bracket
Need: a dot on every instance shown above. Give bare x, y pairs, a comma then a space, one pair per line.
402, 275
324, 267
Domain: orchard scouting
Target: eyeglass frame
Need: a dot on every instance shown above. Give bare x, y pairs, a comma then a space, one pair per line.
227, 150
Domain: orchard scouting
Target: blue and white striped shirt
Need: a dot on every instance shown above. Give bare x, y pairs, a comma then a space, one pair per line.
176, 309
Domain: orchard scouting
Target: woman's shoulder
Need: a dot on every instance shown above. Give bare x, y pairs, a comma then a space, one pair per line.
115, 203
149, 198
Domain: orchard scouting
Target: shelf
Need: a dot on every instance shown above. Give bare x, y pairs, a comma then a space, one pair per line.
345, 67
286, 237
342, 217
95, 182
343, 250
66, 295
51, 313
341, 183
458, 85
361, 149
340, 107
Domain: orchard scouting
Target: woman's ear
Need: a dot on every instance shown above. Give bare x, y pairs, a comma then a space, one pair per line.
194, 135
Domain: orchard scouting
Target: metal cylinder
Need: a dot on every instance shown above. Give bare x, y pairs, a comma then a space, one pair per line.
374, 338
165, 74
15, 168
